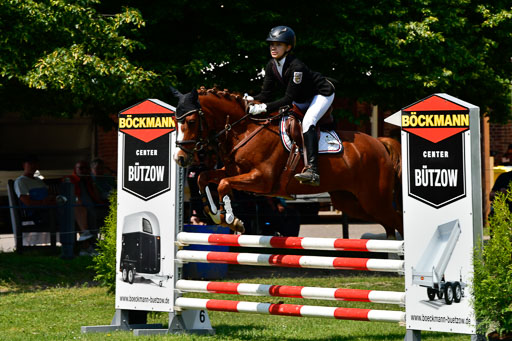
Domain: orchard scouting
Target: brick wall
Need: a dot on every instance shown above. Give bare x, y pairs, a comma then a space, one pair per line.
107, 147
501, 137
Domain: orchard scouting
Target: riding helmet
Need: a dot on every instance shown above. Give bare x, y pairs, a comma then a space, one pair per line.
282, 34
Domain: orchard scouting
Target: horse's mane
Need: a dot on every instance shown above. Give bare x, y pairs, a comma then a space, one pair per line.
235, 96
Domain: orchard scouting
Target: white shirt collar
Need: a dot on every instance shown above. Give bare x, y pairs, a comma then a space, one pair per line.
279, 65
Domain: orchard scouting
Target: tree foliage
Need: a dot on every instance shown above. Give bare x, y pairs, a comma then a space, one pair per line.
63, 57
105, 262
492, 280
389, 52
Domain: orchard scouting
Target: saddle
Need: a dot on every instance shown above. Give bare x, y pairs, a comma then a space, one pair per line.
293, 127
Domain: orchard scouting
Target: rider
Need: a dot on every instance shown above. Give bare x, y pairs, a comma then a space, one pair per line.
308, 90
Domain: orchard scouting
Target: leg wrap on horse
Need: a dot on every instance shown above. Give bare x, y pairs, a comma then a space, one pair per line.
228, 217
310, 176
209, 206
228, 212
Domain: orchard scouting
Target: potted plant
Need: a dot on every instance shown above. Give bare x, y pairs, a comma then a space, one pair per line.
492, 282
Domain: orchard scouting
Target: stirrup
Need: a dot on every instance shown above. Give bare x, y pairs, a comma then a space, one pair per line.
308, 177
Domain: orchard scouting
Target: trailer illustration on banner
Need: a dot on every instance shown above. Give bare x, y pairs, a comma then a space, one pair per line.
140, 251
430, 270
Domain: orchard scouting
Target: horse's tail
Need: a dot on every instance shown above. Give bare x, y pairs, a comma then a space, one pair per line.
395, 153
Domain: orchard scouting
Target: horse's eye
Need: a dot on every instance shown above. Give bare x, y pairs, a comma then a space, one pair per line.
191, 122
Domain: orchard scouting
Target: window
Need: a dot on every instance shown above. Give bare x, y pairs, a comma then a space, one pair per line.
146, 226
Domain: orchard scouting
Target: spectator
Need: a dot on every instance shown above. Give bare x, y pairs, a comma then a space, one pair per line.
506, 159
31, 190
87, 198
195, 220
280, 220
103, 179
33, 193
501, 185
197, 216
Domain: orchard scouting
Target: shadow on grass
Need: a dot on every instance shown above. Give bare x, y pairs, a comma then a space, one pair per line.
37, 271
241, 272
226, 332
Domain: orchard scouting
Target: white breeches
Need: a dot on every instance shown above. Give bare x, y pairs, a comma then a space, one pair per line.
314, 110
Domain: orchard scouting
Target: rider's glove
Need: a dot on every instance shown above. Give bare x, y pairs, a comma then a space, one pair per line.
256, 109
247, 97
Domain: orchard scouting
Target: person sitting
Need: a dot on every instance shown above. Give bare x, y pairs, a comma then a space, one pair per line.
87, 198
279, 218
197, 216
506, 159
195, 220
501, 185
31, 190
102, 178
311, 92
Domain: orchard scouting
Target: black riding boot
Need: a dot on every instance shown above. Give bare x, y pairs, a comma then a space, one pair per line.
309, 175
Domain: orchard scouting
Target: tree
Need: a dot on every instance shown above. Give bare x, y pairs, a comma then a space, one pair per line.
390, 52
62, 57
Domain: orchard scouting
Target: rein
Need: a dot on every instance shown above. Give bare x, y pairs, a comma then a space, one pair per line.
200, 143
264, 122
228, 126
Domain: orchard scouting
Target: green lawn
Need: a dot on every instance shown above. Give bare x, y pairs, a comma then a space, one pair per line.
46, 298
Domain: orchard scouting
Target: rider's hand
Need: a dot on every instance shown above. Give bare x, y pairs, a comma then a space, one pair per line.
256, 109
247, 97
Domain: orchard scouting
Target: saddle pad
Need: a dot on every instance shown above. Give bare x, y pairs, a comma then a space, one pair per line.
329, 141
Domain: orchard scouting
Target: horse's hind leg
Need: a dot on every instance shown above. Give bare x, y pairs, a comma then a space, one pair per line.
348, 204
378, 203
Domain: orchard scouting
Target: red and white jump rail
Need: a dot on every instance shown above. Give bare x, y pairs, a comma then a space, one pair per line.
293, 261
335, 244
318, 293
291, 310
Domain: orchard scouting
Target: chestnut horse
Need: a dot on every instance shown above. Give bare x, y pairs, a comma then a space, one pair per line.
361, 180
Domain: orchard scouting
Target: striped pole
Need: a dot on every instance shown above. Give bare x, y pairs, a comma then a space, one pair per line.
291, 310
374, 296
335, 244
294, 261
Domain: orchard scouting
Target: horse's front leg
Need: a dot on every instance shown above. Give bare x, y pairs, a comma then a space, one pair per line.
203, 180
250, 182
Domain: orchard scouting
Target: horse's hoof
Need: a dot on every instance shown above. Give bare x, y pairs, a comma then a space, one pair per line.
238, 226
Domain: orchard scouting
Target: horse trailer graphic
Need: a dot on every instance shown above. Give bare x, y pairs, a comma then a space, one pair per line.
140, 251
430, 270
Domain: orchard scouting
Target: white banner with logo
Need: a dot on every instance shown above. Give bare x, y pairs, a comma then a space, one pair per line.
146, 212
441, 189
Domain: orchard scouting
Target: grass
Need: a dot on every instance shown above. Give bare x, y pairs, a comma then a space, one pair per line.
46, 298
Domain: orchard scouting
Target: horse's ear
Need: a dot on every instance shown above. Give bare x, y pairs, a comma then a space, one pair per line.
175, 92
194, 94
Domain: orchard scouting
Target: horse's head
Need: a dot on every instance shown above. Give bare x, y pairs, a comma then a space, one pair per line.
191, 130
201, 118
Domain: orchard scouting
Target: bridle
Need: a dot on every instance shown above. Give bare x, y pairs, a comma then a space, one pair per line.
198, 144
201, 143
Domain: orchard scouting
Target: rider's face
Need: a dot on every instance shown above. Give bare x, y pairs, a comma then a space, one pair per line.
278, 49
